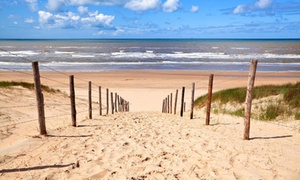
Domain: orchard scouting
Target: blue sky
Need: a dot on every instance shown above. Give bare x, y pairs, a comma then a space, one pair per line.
150, 19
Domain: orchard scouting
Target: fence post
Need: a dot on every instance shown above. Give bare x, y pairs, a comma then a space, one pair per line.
107, 101
175, 103
112, 102
168, 103
248, 104
121, 104
182, 101
163, 105
116, 107
39, 98
192, 101
100, 101
72, 99
171, 99
209, 96
90, 100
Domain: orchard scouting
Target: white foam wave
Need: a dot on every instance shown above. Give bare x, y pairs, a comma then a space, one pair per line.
240, 48
64, 52
82, 56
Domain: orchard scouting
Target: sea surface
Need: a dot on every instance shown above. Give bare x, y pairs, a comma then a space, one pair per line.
273, 55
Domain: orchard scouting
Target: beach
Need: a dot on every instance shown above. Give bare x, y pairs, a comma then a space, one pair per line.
143, 143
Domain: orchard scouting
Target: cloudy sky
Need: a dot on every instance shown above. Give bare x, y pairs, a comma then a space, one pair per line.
150, 19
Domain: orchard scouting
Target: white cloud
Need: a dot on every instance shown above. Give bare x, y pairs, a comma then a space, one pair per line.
55, 5
44, 17
248, 8
29, 20
105, 19
239, 9
32, 4
142, 5
73, 20
171, 5
83, 10
194, 9
262, 4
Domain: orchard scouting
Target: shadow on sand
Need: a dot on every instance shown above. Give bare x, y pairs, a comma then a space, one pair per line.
273, 137
34, 168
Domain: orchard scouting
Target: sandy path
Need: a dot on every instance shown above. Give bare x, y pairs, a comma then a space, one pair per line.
156, 146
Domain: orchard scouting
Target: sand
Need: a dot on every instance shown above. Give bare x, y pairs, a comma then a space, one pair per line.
142, 143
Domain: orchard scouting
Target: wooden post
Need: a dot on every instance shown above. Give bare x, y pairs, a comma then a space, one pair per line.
121, 104
168, 104
39, 98
192, 101
116, 106
175, 103
248, 104
182, 101
118, 103
107, 101
209, 95
100, 101
163, 104
171, 97
90, 100
72, 99
112, 102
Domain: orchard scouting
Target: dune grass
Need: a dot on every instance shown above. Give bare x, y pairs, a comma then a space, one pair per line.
289, 92
8, 84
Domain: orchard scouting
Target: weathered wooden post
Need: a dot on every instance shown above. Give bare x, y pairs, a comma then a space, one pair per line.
118, 103
121, 104
100, 101
171, 99
175, 103
39, 98
90, 100
112, 102
72, 99
192, 101
209, 96
107, 101
168, 103
182, 101
249, 95
163, 105
116, 106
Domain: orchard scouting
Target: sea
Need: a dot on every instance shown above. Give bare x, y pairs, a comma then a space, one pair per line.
273, 55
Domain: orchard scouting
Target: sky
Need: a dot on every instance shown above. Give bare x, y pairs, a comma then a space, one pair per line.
64, 19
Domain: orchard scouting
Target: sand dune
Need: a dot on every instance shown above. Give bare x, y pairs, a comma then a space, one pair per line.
142, 144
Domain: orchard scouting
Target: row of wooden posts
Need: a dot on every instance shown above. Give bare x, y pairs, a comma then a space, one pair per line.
118, 104
122, 105
167, 102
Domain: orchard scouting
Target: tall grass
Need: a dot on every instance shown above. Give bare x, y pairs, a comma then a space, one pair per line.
8, 84
290, 93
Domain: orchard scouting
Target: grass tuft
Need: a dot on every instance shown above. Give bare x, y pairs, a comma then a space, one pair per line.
8, 84
289, 92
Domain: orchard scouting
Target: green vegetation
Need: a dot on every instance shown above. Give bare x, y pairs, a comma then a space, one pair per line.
287, 102
272, 112
8, 84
